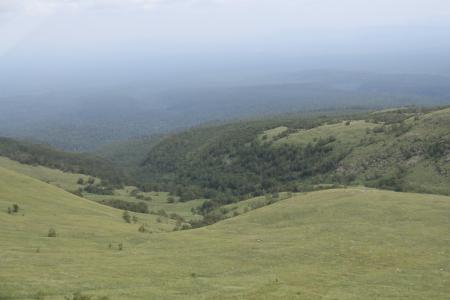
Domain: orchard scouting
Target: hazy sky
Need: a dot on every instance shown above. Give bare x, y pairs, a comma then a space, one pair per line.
61, 37
177, 23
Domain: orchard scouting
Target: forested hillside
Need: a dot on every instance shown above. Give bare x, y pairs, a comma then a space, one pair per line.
400, 149
90, 118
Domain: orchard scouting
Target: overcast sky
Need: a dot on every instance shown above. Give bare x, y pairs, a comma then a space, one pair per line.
175, 22
59, 36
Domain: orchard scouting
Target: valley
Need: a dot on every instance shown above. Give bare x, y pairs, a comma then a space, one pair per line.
346, 206
341, 242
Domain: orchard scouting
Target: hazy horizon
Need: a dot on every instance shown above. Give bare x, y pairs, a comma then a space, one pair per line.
43, 40
77, 64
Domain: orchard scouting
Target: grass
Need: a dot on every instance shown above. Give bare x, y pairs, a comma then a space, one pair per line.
271, 134
347, 134
66, 181
159, 201
336, 244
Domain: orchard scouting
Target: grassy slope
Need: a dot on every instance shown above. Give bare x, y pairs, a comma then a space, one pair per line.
334, 244
382, 155
67, 181
158, 202
36, 154
351, 133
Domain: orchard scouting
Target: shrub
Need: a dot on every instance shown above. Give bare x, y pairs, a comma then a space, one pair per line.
162, 213
126, 216
135, 219
80, 181
51, 232
176, 217
186, 226
171, 200
134, 192
140, 207
99, 190
120, 247
142, 228
15, 208
78, 193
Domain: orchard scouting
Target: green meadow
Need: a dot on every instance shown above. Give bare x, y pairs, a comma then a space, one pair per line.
354, 243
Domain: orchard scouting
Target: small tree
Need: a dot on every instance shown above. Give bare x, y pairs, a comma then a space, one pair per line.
120, 247
51, 232
126, 216
135, 219
15, 208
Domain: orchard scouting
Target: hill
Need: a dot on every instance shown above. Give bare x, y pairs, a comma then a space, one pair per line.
340, 244
92, 117
42, 155
65, 180
405, 149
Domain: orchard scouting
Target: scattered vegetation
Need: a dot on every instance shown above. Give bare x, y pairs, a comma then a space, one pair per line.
51, 232
140, 207
126, 216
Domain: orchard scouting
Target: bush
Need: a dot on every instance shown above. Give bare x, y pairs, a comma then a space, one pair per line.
15, 208
80, 181
126, 216
51, 232
135, 219
176, 217
99, 190
78, 193
140, 207
162, 213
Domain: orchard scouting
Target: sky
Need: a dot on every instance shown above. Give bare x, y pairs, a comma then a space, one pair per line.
174, 23
44, 35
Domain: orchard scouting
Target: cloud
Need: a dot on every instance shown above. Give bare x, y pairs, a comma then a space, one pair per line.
38, 7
